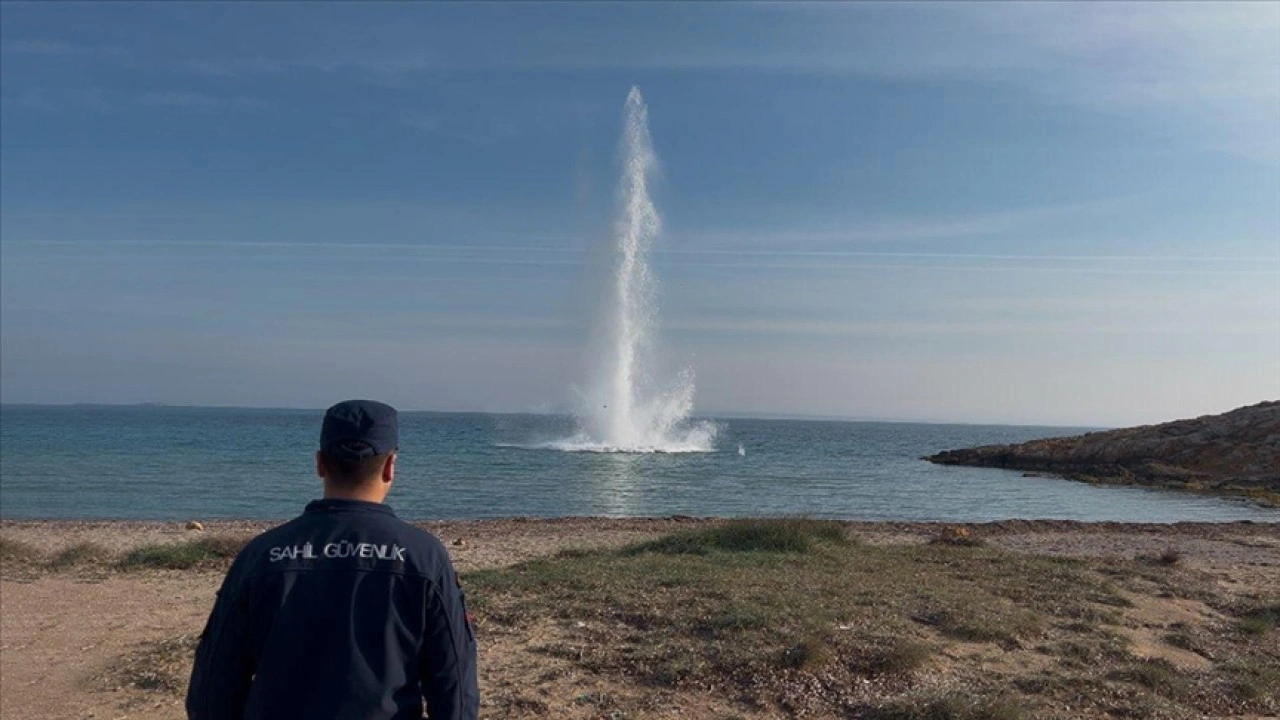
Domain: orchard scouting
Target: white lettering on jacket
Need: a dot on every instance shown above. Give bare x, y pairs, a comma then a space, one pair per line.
340, 549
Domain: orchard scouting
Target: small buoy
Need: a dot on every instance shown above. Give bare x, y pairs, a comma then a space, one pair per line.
741, 450
195, 525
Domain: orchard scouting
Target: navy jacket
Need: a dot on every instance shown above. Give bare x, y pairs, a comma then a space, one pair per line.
345, 612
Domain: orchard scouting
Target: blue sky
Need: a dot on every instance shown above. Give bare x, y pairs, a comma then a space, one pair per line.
1040, 213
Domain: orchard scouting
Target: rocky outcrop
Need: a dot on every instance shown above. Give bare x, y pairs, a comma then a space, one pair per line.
1235, 453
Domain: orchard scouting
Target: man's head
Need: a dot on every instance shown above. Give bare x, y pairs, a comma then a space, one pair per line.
358, 441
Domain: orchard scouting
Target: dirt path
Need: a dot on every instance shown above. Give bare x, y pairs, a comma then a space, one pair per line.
59, 637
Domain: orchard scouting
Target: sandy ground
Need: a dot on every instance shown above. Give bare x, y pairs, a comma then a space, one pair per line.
63, 633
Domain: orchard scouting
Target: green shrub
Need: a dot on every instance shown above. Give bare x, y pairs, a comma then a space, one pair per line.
947, 707
1181, 639
970, 623
899, 658
1156, 675
1252, 680
748, 536
1260, 620
809, 654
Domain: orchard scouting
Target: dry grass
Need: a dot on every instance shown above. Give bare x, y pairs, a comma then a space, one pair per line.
958, 536
212, 552
19, 560
16, 551
80, 555
162, 667
184, 555
794, 618
756, 608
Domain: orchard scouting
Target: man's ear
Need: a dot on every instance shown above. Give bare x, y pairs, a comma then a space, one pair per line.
389, 469
319, 464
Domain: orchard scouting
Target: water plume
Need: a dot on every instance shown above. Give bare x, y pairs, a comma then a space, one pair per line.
622, 408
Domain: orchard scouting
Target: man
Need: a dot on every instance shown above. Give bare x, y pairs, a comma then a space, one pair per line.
345, 611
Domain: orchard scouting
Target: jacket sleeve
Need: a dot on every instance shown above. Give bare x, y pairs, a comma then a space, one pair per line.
223, 669
448, 657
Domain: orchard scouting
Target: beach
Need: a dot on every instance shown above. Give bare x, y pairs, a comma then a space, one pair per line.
91, 629
751, 361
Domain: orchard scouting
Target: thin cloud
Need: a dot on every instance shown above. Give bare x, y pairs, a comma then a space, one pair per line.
1207, 70
378, 61
1211, 67
971, 256
422, 121
46, 100
100, 100
57, 49
836, 328
569, 256
1213, 64
833, 234
982, 268
576, 250
187, 100
708, 324
231, 67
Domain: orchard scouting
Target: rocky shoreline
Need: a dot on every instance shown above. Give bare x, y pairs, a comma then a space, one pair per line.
1233, 454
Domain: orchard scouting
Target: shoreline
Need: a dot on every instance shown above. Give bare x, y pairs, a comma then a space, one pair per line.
236, 525
498, 542
243, 522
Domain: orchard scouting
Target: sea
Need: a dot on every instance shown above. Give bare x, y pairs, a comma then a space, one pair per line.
172, 463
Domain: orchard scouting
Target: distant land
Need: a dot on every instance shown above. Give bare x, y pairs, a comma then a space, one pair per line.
1235, 453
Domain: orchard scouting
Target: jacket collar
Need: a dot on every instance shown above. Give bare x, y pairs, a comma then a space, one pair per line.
344, 505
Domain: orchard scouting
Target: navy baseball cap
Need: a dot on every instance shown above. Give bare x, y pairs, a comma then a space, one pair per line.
357, 429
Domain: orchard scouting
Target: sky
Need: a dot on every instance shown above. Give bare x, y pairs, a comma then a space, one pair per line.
1061, 214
